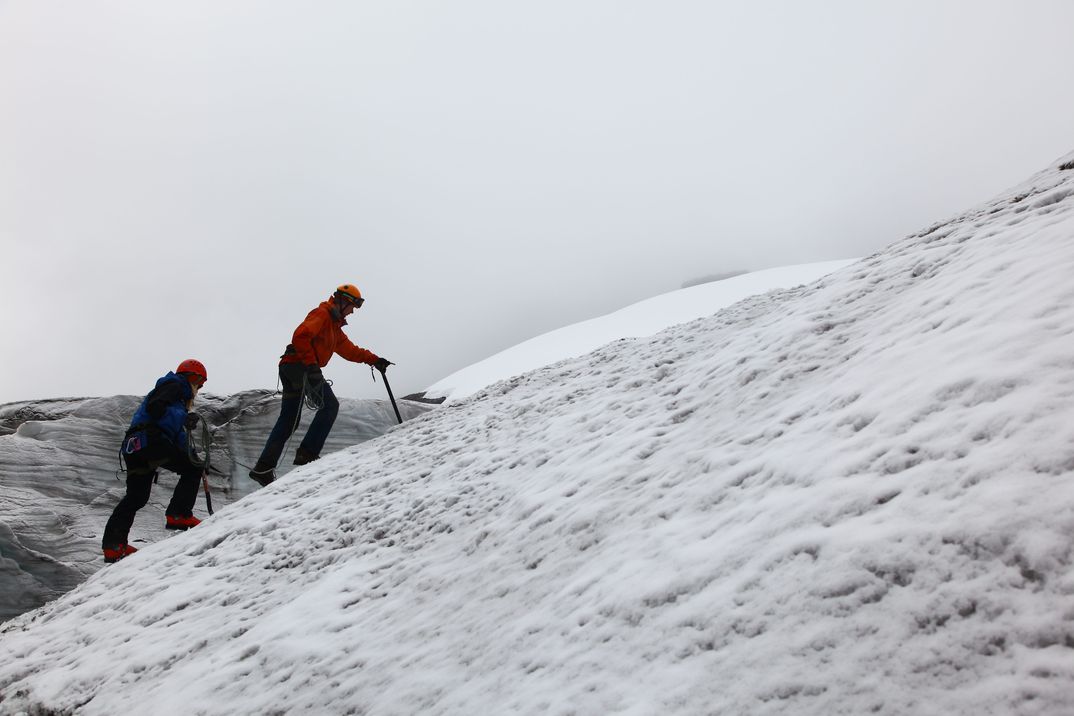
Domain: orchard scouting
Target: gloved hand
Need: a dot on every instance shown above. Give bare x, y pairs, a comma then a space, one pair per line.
314, 377
382, 364
191, 421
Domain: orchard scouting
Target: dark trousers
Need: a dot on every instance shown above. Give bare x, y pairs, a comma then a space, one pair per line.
291, 378
141, 470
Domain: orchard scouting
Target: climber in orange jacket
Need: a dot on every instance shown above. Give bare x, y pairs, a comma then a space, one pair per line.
311, 347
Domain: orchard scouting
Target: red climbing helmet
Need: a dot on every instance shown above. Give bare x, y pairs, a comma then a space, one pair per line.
195, 367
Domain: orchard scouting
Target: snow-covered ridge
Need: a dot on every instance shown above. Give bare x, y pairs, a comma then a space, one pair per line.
846, 498
643, 318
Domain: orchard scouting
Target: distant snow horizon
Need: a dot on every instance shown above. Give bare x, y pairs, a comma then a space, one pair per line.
709, 278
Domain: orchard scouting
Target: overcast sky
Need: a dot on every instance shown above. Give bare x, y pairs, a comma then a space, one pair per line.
189, 179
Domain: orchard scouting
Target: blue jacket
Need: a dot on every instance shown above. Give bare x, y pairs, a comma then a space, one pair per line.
166, 408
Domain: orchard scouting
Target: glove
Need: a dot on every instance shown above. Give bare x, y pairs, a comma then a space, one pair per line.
382, 364
191, 421
314, 377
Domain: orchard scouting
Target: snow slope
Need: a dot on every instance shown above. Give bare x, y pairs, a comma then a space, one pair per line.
637, 320
847, 498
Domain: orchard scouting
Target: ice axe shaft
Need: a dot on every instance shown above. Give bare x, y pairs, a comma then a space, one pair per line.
384, 375
208, 497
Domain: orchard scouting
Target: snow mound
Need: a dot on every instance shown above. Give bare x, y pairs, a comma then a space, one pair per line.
853, 497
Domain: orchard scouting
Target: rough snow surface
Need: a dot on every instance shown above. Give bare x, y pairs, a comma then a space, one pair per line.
637, 320
849, 498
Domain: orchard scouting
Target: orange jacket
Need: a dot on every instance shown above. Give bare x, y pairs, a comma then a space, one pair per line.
321, 335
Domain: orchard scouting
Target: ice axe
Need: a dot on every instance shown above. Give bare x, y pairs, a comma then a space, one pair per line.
205, 438
391, 397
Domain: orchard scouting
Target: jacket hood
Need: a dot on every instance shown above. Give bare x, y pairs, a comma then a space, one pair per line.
188, 392
330, 306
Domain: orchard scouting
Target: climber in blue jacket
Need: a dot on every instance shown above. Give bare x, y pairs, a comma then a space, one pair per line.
157, 438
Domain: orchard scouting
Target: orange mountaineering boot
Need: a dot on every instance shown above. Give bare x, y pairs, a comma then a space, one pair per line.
114, 554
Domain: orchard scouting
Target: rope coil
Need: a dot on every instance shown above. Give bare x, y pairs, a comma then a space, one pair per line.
313, 395
199, 457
